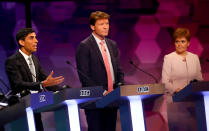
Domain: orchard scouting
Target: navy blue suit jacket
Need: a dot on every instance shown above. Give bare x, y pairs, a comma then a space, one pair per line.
90, 62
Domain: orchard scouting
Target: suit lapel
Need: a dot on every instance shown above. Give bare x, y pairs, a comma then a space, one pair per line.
98, 53
111, 53
110, 49
25, 65
96, 49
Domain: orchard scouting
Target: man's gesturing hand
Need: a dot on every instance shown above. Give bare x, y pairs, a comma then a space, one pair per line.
51, 81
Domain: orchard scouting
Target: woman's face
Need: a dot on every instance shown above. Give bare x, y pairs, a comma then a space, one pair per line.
181, 44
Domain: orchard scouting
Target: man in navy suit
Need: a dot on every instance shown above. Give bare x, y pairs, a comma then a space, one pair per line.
24, 70
97, 57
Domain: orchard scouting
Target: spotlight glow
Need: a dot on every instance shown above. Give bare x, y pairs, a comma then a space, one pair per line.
73, 115
3, 104
30, 118
206, 102
137, 113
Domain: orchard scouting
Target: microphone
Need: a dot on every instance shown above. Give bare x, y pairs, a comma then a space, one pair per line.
134, 65
193, 81
1, 92
3, 100
9, 91
2, 81
68, 62
2, 96
7, 99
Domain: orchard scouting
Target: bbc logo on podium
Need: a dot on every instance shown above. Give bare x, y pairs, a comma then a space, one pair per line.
85, 92
42, 98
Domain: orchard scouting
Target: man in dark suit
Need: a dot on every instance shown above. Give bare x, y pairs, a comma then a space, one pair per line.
24, 70
97, 57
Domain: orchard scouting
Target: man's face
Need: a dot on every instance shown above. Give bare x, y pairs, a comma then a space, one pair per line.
29, 45
181, 45
101, 28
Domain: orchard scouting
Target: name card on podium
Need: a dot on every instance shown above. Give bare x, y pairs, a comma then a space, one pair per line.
41, 99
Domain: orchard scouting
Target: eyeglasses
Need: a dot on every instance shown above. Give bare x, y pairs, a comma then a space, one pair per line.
180, 41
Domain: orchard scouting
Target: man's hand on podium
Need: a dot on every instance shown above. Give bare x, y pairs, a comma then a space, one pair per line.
117, 85
51, 81
106, 92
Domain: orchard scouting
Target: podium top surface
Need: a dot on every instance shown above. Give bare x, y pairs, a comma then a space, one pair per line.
47, 101
200, 86
123, 93
191, 91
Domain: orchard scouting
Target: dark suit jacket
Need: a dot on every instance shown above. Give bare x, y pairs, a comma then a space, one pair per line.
90, 62
19, 74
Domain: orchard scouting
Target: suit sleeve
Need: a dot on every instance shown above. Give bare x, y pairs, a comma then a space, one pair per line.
16, 79
166, 75
120, 74
83, 65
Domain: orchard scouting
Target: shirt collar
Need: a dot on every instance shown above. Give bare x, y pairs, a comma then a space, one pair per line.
97, 39
24, 55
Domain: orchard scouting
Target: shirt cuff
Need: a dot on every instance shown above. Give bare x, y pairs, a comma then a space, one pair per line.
41, 85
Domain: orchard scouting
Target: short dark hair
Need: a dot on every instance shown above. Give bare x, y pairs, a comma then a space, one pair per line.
97, 15
22, 33
182, 32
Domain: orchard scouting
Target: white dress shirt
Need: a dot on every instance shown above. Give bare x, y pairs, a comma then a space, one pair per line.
26, 59
108, 55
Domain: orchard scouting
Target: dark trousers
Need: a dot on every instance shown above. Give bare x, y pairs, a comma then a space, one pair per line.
38, 122
101, 119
